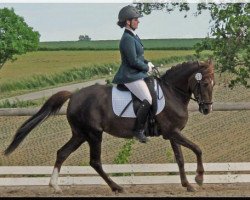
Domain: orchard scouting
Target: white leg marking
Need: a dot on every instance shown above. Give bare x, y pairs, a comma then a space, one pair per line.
54, 180
212, 82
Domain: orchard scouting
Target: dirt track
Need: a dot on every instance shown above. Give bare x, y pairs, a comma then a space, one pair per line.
164, 190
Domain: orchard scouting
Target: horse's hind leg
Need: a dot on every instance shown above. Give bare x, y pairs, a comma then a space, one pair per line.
95, 161
62, 155
180, 161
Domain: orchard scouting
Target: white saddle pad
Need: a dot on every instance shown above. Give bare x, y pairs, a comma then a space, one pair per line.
120, 99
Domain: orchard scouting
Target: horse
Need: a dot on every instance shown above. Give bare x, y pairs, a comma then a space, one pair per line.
90, 113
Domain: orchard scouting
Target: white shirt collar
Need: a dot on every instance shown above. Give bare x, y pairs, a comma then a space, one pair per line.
131, 31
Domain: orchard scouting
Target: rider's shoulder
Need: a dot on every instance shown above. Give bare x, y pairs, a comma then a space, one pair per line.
128, 34
127, 37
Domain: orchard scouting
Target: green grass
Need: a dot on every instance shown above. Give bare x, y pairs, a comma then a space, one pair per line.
68, 76
22, 104
51, 62
149, 44
124, 153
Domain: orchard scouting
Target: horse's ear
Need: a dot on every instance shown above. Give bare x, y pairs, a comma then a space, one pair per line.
210, 61
211, 64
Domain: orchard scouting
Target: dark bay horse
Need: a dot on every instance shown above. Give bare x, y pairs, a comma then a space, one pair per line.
90, 113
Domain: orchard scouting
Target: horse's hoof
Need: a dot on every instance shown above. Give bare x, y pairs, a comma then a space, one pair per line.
191, 189
57, 189
199, 180
118, 189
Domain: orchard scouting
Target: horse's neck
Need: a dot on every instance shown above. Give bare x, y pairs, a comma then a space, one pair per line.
180, 79
178, 83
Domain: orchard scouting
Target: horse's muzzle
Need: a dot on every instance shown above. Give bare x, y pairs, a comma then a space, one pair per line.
205, 108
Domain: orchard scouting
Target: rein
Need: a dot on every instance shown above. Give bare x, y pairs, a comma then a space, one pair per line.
157, 74
157, 77
182, 92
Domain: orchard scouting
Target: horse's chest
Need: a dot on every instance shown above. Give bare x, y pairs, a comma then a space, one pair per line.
172, 118
176, 108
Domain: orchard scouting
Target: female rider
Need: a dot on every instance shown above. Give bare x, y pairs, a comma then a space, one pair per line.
134, 68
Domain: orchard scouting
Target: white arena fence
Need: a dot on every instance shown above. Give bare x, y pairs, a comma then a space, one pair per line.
124, 174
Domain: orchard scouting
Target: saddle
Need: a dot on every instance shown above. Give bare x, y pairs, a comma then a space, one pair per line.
151, 125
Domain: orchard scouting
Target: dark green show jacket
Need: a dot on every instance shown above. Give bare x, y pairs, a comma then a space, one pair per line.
133, 66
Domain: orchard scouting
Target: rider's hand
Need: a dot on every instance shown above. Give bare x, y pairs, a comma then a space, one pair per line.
150, 67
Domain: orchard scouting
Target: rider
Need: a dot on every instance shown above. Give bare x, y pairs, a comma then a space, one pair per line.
134, 67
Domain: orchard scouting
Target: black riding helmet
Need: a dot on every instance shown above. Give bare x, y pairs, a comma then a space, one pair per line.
128, 13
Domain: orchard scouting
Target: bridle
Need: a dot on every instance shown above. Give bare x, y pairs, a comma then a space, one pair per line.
198, 97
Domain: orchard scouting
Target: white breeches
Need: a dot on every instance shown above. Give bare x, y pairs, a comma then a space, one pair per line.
140, 89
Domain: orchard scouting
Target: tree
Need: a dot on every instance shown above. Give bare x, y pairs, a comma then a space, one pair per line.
16, 37
84, 37
228, 39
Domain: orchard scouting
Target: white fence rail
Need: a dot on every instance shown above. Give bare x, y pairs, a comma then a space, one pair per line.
135, 174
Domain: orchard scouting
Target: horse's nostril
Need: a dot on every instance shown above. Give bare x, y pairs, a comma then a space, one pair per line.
206, 111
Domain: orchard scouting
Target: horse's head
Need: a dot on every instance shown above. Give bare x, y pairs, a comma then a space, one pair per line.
201, 84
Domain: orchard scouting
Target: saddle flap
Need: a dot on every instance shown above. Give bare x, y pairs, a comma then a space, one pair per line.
122, 87
122, 99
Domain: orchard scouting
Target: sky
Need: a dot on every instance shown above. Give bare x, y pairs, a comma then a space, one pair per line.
66, 21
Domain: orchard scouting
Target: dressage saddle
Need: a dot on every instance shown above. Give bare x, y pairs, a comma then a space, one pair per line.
151, 125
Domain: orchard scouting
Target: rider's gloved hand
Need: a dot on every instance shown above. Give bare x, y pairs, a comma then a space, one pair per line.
150, 67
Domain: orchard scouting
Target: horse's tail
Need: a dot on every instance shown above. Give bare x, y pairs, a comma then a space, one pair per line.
50, 107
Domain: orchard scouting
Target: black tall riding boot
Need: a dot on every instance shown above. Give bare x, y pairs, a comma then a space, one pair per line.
142, 115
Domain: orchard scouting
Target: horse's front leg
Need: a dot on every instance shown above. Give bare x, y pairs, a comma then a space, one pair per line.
182, 140
180, 161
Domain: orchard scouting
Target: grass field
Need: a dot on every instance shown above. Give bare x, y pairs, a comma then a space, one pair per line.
50, 62
23, 104
155, 44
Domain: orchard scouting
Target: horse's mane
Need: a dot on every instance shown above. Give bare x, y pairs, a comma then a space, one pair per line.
206, 68
178, 67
